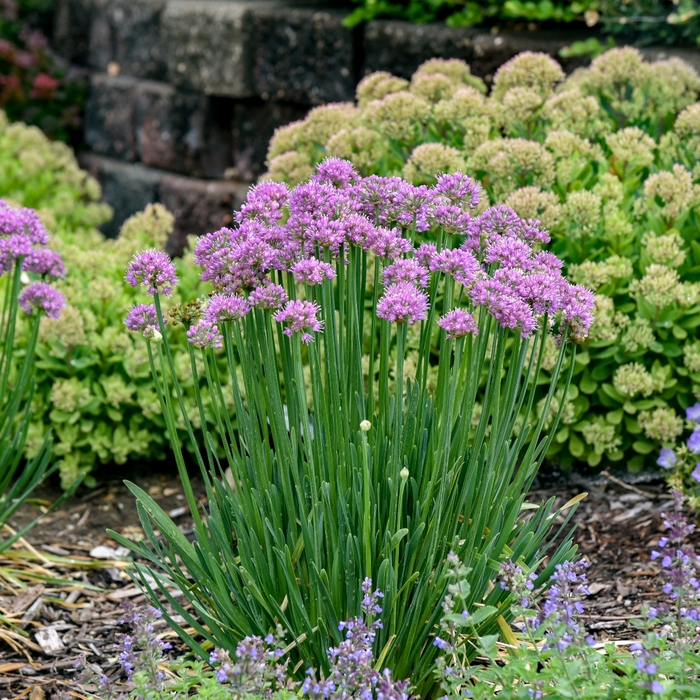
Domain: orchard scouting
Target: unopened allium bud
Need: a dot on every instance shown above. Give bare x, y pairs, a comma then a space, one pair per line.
404, 474
365, 426
153, 334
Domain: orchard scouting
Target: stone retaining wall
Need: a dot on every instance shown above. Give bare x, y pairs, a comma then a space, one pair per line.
185, 94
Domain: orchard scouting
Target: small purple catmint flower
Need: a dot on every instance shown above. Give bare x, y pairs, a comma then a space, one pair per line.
515, 580
24, 222
336, 172
265, 201
154, 270
224, 307
301, 318
577, 311
458, 323
459, 189
205, 335
42, 297
312, 271
406, 270
403, 303
141, 317
12, 249
44, 262
268, 296
667, 458
692, 413
694, 441
695, 474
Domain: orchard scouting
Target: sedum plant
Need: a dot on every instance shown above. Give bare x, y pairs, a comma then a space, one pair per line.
345, 462
606, 160
26, 266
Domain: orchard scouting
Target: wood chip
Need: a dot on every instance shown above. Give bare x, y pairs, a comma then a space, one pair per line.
14, 605
49, 641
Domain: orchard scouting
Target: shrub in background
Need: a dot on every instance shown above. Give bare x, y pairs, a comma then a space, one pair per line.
26, 266
371, 473
35, 85
607, 161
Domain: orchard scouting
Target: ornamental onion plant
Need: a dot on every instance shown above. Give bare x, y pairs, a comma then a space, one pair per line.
346, 462
24, 256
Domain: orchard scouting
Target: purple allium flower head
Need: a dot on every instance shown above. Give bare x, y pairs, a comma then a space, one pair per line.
357, 229
140, 317
458, 323
509, 310
45, 262
667, 458
458, 189
43, 297
458, 263
204, 335
424, 253
509, 252
695, 474
693, 413
451, 219
336, 172
503, 221
312, 271
577, 310
22, 222
546, 262
406, 270
154, 270
12, 249
225, 307
300, 317
265, 201
387, 243
268, 296
694, 441
403, 303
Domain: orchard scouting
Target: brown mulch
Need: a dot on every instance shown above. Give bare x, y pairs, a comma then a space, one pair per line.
619, 525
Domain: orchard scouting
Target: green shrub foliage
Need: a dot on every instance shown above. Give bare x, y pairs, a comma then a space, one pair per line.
607, 160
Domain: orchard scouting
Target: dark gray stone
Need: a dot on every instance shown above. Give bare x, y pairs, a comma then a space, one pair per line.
184, 132
199, 206
254, 122
400, 47
207, 46
71, 30
109, 116
126, 187
302, 55
125, 37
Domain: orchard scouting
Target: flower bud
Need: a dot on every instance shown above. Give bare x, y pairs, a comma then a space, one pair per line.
365, 426
152, 333
403, 474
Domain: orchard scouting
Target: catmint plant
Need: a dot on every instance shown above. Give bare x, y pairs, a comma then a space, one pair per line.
26, 265
347, 462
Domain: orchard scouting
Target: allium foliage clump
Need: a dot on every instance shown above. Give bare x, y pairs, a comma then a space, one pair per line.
606, 160
357, 460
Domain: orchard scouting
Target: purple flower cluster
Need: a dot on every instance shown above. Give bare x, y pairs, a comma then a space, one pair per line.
256, 670
352, 674
42, 297
679, 561
668, 458
304, 236
23, 241
141, 648
141, 317
154, 270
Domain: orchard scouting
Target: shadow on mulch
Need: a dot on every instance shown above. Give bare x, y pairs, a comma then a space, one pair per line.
619, 524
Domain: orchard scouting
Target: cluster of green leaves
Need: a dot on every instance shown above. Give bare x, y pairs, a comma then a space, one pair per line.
607, 160
35, 86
